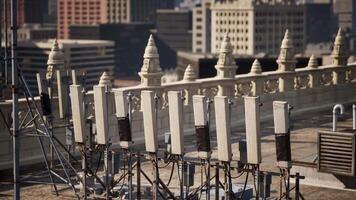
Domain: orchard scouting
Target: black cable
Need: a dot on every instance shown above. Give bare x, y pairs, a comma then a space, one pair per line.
243, 191
164, 165
171, 175
98, 165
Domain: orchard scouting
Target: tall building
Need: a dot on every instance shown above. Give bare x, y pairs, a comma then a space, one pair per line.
130, 42
36, 32
319, 16
345, 11
257, 26
201, 27
174, 28
28, 11
107, 12
77, 12
90, 56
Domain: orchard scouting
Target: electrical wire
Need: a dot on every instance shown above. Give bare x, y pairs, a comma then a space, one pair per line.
98, 165
171, 175
243, 191
124, 178
161, 167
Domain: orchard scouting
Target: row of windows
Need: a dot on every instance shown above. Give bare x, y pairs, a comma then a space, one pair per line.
231, 14
77, 3
238, 22
237, 47
279, 20
278, 13
233, 38
280, 29
231, 30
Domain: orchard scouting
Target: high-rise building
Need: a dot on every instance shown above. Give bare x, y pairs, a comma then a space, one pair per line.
28, 11
36, 32
257, 26
77, 12
92, 57
319, 16
345, 11
174, 28
130, 42
107, 12
201, 27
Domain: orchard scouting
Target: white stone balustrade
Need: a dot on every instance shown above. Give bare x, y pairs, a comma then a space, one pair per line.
308, 89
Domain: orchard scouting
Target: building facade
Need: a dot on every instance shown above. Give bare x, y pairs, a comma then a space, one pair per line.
174, 28
36, 32
201, 27
345, 12
130, 41
106, 12
28, 11
91, 57
257, 26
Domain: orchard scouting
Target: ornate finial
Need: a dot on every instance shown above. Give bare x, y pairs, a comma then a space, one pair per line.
226, 66
189, 74
339, 53
226, 45
286, 61
55, 57
313, 62
151, 49
151, 71
256, 67
287, 41
105, 80
339, 40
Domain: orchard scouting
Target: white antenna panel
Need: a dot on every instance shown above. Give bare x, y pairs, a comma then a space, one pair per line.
280, 117
62, 94
101, 114
223, 124
149, 120
200, 112
78, 115
253, 138
121, 104
176, 122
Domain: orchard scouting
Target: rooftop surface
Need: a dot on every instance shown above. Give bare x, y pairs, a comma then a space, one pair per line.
303, 143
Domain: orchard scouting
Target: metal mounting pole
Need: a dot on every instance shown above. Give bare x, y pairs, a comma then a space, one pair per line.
84, 167
107, 182
155, 177
258, 182
15, 117
138, 176
217, 181
50, 119
6, 43
207, 192
182, 178
154, 158
208, 180
297, 186
129, 155
288, 184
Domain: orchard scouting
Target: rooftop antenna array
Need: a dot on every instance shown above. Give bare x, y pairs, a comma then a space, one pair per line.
95, 128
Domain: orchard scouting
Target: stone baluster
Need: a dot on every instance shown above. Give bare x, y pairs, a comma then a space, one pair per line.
339, 57
226, 68
286, 64
257, 81
314, 76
